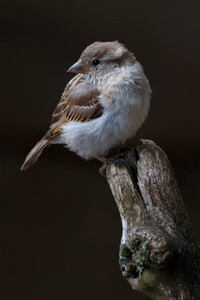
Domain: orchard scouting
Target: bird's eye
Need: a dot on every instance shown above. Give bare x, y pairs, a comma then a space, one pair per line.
96, 62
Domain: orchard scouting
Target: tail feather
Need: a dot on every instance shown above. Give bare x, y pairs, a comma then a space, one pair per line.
33, 155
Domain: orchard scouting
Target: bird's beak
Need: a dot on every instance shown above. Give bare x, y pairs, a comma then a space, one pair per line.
78, 67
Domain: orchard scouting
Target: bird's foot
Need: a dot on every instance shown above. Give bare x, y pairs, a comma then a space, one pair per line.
119, 158
107, 161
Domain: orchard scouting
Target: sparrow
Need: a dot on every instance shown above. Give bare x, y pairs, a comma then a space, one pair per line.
101, 107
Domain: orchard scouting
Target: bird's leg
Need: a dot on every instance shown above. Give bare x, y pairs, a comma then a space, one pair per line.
106, 161
118, 158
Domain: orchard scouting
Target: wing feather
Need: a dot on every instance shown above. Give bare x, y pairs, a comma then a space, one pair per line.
79, 103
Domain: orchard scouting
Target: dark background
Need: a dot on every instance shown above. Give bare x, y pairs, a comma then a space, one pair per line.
59, 226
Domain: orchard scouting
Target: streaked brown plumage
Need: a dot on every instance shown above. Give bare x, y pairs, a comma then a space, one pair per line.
105, 80
71, 107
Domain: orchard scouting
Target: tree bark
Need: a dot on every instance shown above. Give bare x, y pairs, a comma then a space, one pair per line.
159, 253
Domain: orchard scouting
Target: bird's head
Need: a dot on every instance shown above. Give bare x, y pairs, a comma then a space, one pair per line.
102, 58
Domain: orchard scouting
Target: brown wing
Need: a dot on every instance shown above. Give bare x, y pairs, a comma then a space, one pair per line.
79, 103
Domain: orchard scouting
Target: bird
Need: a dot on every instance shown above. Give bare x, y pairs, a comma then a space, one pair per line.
101, 107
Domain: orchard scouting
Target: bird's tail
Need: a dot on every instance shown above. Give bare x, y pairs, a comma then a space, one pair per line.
33, 155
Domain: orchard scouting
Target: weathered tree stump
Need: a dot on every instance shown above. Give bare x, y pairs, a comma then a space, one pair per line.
159, 253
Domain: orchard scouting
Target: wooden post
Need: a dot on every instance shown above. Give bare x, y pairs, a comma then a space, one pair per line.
159, 253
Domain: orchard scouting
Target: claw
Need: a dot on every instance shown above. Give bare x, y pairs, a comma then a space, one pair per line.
103, 168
